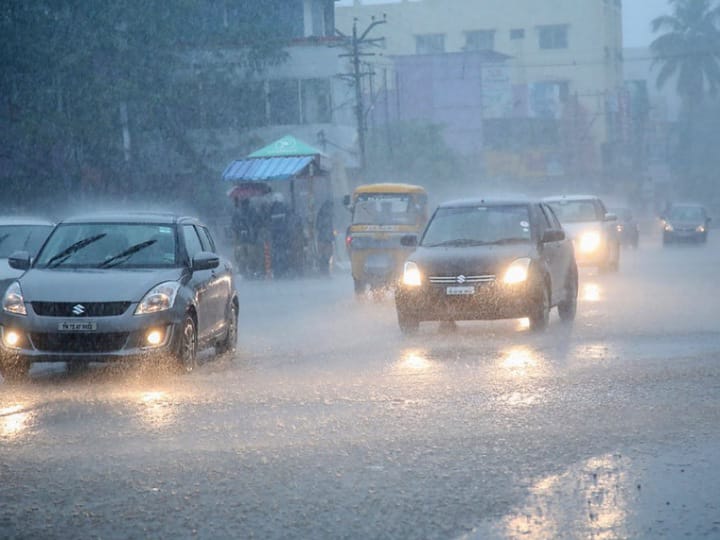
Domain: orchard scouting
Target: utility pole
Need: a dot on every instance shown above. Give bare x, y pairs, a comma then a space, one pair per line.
354, 45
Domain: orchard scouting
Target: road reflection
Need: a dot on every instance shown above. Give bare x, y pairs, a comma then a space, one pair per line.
415, 361
14, 420
522, 361
591, 292
156, 408
587, 501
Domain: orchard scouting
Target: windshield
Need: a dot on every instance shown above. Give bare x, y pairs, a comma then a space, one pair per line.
478, 225
385, 209
22, 238
576, 211
107, 245
687, 213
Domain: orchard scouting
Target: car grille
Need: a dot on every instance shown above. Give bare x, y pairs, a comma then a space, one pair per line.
461, 280
79, 342
90, 309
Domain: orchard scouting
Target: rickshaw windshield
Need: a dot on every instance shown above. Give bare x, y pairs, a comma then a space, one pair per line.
386, 209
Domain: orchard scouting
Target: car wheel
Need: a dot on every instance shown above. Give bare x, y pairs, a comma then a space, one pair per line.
186, 354
409, 324
540, 312
359, 286
567, 309
229, 343
14, 369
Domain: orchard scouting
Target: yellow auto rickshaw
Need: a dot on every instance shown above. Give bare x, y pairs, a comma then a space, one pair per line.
382, 214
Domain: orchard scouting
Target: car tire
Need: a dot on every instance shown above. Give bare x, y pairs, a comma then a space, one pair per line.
186, 347
229, 342
540, 312
409, 324
14, 369
359, 287
567, 309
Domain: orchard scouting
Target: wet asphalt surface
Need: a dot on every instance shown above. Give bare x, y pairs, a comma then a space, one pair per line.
327, 423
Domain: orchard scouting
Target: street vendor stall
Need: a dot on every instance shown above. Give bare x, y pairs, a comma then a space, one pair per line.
278, 192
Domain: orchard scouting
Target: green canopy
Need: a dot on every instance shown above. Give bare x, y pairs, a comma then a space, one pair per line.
286, 147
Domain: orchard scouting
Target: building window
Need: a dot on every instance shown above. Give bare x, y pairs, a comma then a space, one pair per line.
430, 43
316, 103
553, 37
517, 33
284, 99
480, 40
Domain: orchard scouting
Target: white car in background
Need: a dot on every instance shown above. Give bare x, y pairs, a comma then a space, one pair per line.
592, 229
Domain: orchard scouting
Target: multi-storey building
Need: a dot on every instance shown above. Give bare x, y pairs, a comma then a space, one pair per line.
563, 74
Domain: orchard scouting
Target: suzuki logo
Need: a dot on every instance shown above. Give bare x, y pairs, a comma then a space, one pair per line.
78, 309
461, 279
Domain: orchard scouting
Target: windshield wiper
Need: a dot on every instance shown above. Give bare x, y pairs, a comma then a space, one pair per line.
513, 240
458, 242
57, 260
132, 250
4, 237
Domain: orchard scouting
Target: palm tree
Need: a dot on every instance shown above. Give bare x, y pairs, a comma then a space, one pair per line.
689, 48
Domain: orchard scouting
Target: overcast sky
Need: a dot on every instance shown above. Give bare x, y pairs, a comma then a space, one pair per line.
637, 15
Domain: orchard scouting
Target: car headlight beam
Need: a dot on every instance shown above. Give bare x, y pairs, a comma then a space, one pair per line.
159, 298
411, 275
590, 242
517, 272
13, 301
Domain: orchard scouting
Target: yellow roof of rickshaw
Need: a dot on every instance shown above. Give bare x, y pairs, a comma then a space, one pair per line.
389, 188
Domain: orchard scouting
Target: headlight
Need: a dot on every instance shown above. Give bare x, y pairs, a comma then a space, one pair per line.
160, 298
13, 301
411, 275
517, 272
589, 242
620, 228
700, 228
669, 228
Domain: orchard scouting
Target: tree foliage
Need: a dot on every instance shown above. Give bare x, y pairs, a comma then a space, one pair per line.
79, 77
689, 48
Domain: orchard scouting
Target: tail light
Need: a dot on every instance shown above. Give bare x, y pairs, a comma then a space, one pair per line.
348, 241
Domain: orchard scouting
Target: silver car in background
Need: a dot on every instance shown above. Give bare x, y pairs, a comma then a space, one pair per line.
19, 234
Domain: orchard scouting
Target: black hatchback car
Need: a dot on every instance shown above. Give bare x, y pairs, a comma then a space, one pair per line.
489, 259
116, 287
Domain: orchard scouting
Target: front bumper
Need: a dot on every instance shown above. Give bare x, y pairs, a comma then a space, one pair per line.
490, 301
123, 337
683, 235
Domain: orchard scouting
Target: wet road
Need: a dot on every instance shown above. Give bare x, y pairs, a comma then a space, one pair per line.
329, 424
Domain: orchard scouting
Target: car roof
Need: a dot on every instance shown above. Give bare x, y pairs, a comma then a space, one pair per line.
487, 201
25, 220
574, 198
389, 187
129, 217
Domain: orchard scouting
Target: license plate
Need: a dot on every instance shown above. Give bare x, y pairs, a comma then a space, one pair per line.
460, 290
76, 326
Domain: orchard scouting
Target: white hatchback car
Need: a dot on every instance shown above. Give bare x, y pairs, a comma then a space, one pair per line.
592, 229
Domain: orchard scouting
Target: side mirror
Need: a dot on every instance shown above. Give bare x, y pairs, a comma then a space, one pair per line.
611, 217
205, 261
20, 260
346, 201
409, 240
553, 235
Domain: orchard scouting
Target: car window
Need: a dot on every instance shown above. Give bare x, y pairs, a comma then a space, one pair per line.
468, 225
545, 221
109, 245
687, 213
577, 211
206, 238
192, 241
554, 221
22, 238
